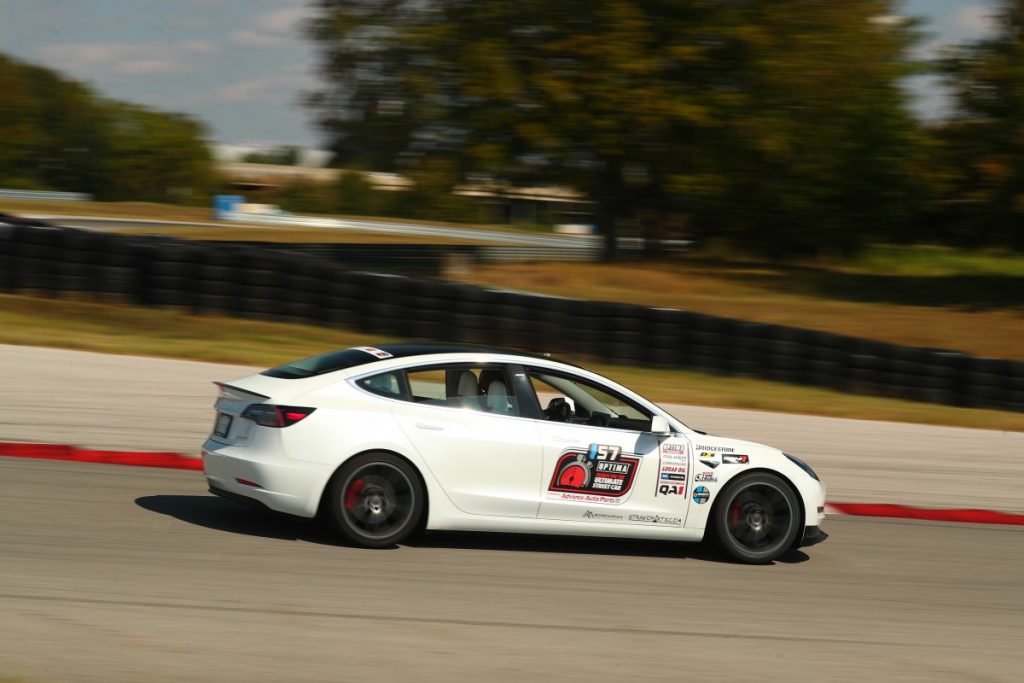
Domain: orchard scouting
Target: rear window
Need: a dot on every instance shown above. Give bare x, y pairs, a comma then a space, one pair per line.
327, 362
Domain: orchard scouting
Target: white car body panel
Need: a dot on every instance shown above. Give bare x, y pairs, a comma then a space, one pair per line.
484, 471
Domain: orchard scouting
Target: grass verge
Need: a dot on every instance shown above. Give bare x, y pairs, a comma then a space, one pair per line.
121, 329
968, 303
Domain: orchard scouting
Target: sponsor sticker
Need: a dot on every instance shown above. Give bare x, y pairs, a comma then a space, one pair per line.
701, 495
605, 516
735, 459
720, 449
705, 476
671, 470
601, 474
672, 489
656, 519
378, 353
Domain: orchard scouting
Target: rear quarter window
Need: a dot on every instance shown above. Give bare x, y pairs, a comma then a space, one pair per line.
387, 384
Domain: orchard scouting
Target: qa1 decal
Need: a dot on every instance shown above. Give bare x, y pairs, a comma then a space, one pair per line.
671, 470
601, 474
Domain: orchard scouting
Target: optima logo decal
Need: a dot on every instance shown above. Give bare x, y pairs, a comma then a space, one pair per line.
601, 471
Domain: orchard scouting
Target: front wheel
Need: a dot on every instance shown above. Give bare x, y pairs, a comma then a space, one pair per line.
375, 500
757, 518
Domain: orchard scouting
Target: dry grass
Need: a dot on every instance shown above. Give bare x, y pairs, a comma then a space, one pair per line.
167, 212
121, 329
979, 314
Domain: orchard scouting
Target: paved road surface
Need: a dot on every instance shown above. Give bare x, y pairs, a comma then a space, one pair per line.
572, 242
120, 574
128, 403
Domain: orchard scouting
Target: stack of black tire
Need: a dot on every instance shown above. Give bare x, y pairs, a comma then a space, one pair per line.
272, 284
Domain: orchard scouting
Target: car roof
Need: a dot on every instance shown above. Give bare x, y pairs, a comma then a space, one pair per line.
408, 350
343, 359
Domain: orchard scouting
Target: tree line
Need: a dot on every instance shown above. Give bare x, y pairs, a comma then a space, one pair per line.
57, 134
783, 128
780, 127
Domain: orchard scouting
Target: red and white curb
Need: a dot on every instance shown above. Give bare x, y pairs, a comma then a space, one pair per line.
179, 461
46, 451
964, 515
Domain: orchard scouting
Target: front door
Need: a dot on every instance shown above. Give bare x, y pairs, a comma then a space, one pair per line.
601, 464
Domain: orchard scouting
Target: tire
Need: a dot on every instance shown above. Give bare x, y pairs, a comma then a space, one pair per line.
375, 500
757, 518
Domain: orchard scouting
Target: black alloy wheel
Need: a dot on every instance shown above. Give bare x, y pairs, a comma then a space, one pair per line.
375, 500
757, 518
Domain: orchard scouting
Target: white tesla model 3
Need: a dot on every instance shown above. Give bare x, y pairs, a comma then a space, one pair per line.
386, 440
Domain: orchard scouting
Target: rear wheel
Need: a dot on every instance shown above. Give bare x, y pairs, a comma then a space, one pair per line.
375, 500
757, 518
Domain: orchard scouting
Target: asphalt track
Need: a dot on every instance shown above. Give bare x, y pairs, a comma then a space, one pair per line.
115, 573
127, 403
575, 242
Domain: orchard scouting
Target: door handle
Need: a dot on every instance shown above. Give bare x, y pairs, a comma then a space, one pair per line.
423, 425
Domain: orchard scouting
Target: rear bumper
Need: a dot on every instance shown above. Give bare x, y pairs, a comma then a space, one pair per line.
275, 482
813, 535
251, 502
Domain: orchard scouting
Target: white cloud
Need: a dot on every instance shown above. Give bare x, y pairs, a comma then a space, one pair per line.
282, 20
974, 21
124, 58
275, 28
280, 86
249, 90
255, 38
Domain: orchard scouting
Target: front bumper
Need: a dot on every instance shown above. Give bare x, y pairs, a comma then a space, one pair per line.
813, 535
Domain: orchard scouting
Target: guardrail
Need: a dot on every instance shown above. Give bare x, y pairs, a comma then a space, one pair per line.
252, 282
51, 196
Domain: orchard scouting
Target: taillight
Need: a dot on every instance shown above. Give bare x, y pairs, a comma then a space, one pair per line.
267, 415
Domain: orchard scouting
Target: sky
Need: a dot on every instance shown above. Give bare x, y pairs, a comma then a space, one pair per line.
241, 65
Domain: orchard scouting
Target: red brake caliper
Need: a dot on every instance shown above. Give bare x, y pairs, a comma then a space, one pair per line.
734, 514
352, 495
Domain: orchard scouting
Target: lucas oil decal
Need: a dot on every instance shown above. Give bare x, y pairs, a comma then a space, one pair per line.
671, 470
601, 474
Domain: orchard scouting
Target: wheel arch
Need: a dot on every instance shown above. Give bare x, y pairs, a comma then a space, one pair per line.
421, 523
763, 470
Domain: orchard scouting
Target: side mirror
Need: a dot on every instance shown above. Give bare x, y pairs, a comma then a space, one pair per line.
660, 426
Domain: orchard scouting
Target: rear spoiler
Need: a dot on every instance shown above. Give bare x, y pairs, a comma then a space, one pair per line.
227, 388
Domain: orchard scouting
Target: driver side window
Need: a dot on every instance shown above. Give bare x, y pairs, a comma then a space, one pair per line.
578, 401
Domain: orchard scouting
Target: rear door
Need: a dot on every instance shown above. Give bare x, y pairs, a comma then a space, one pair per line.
601, 463
466, 422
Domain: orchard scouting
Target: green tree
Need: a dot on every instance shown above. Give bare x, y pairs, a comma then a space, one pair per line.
776, 124
56, 133
981, 147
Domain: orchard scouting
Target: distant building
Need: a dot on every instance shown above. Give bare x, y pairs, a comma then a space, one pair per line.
499, 203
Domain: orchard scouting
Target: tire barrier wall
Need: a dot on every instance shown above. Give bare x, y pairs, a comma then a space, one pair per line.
258, 283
